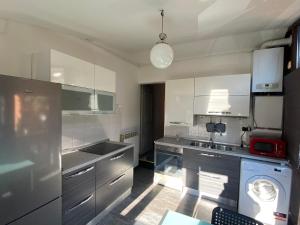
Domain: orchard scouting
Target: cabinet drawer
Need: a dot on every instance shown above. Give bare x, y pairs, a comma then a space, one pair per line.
109, 192
81, 212
211, 162
78, 184
112, 166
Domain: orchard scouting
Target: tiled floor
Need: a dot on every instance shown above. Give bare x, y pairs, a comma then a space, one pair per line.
148, 203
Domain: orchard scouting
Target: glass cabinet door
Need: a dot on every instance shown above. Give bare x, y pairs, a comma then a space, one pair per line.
105, 101
77, 99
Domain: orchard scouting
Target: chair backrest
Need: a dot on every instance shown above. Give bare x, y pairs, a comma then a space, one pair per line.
221, 216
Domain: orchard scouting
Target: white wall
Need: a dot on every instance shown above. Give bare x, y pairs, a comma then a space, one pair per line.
234, 63
17, 43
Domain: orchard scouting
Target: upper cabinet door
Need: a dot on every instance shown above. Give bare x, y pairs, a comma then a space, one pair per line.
105, 79
179, 102
219, 105
17, 64
223, 85
69, 70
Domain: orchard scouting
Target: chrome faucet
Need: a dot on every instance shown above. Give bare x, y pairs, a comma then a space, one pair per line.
211, 142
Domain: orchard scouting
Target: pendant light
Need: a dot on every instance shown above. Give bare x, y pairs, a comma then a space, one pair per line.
161, 54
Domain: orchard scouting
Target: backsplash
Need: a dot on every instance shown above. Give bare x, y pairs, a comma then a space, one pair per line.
232, 135
80, 130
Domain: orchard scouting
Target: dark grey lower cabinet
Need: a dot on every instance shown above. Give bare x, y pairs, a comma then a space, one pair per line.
77, 185
109, 192
113, 166
81, 212
78, 197
215, 176
90, 190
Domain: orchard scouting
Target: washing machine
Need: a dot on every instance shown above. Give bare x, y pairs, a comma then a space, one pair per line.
265, 191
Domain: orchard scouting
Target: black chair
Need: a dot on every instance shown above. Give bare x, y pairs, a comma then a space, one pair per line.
221, 216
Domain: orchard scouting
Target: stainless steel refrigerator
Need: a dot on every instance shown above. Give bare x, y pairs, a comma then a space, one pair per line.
30, 152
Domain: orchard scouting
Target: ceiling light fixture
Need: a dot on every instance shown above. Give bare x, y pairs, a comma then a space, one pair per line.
162, 54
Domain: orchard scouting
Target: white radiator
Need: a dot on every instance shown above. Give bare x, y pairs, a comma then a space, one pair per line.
132, 138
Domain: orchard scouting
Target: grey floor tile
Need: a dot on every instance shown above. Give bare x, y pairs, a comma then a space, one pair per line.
148, 203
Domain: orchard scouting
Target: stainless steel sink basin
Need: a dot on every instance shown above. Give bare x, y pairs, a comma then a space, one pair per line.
221, 147
103, 148
200, 144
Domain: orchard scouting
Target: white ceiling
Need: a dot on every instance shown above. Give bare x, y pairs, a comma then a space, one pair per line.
131, 27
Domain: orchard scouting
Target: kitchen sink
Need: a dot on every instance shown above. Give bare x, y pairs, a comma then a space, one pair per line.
103, 148
221, 147
200, 144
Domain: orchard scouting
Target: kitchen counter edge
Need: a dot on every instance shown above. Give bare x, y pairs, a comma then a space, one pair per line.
238, 153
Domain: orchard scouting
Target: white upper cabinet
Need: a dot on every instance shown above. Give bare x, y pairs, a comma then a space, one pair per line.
179, 102
227, 95
222, 105
105, 79
69, 70
268, 70
15, 63
223, 85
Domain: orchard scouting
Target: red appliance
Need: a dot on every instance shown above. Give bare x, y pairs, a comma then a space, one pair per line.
268, 147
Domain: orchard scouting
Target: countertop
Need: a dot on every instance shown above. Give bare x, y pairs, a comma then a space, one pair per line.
240, 152
77, 159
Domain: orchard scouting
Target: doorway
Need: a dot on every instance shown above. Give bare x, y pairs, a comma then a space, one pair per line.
152, 120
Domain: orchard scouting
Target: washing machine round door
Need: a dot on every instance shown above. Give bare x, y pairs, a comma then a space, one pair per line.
266, 194
264, 189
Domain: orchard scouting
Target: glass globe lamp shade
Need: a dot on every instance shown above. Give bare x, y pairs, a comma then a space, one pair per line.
161, 55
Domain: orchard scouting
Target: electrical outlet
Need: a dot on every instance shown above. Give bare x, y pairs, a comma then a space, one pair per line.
245, 129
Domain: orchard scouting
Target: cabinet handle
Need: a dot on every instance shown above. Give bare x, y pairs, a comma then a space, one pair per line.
117, 180
117, 157
209, 176
80, 204
177, 123
226, 113
210, 155
80, 172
